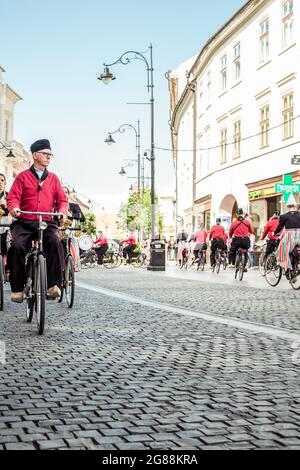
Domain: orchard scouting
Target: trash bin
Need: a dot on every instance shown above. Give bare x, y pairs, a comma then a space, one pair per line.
157, 256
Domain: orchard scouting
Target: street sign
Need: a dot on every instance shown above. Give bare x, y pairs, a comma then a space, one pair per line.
287, 187
296, 160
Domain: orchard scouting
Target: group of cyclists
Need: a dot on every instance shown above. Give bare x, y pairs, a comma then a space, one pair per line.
281, 231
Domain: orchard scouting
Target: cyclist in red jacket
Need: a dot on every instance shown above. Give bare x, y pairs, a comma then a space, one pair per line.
36, 190
269, 230
129, 247
217, 237
240, 231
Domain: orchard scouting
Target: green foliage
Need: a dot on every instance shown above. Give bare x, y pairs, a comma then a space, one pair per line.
136, 213
89, 226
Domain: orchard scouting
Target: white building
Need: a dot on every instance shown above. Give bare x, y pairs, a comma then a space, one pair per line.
239, 114
8, 99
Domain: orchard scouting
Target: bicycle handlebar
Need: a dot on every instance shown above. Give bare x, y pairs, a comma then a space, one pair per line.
58, 214
68, 228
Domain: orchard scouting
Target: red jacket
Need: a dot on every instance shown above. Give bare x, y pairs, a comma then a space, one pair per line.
101, 241
29, 194
241, 228
217, 231
131, 240
200, 236
270, 227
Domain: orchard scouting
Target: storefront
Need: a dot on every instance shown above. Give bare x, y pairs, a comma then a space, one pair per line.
203, 212
264, 200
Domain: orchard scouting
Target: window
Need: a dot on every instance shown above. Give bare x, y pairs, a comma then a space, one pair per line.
264, 126
223, 72
288, 116
200, 99
237, 62
264, 40
287, 22
237, 139
208, 88
223, 146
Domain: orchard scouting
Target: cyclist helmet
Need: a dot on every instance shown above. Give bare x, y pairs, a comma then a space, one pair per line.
240, 211
218, 220
276, 213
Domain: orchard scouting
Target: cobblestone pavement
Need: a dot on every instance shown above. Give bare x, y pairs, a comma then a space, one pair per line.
112, 374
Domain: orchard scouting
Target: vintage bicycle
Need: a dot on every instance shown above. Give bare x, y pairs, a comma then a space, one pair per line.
36, 274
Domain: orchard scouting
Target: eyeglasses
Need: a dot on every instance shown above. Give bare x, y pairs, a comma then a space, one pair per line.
46, 154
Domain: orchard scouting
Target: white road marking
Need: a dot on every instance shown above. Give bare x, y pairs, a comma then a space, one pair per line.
229, 321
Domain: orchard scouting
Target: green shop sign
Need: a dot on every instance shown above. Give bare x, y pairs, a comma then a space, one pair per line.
287, 187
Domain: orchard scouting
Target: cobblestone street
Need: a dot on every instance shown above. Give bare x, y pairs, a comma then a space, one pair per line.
151, 361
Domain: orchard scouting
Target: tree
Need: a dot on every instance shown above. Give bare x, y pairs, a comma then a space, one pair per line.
136, 213
89, 226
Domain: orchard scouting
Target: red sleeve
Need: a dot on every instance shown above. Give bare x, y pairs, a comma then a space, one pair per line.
15, 194
266, 229
125, 241
205, 236
61, 198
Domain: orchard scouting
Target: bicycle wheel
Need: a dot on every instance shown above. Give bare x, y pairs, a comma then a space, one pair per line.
218, 263
261, 264
1, 283
60, 298
273, 271
28, 290
70, 281
237, 264
242, 266
40, 293
224, 262
110, 261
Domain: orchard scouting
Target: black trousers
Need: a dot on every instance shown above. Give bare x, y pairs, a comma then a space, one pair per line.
238, 242
101, 250
216, 243
128, 250
271, 246
23, 232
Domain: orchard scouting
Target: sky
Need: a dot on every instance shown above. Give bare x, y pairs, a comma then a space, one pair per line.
54, 50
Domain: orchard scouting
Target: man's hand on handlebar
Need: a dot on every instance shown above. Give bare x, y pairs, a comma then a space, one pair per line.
15, 212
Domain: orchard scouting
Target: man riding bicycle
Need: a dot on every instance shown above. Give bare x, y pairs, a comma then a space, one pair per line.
36, 190
269, 230
217, 236
240, 231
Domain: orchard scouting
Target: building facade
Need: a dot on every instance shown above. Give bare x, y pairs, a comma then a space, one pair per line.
10, 166
239, 117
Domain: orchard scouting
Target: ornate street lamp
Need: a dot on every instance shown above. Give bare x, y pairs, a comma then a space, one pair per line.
106, 77
10, 154
123, 128
109, 140
122, 171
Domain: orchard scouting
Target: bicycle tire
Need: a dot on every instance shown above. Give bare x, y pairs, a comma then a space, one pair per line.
70, 281
242, 266
272, 267
40, 293
237, 265
261, 264
29, 296
1, 283
218, 263
110, 261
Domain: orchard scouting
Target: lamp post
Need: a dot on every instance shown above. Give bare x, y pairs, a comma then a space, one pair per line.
109, 140
106, 77
10, 154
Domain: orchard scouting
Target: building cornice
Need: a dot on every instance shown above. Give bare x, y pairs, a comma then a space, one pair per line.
12, 94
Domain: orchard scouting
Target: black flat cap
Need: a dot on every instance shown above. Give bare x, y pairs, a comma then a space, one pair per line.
39, 145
